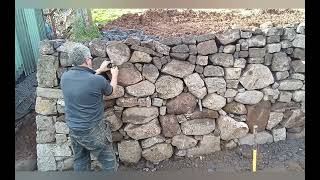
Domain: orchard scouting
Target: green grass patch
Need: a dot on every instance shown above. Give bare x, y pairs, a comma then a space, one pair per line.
104, 16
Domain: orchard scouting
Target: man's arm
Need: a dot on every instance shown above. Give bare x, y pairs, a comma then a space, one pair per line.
114, 79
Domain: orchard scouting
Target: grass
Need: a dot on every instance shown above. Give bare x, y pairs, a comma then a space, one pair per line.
104, 16
81, 32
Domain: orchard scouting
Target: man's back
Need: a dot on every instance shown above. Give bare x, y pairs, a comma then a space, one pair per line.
83, 95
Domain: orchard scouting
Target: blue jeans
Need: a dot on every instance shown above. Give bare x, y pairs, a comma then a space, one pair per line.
97, 141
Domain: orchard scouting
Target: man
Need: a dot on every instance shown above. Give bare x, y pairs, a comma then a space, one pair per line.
83, 90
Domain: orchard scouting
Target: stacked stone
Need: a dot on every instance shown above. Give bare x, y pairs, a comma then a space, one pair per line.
184, 96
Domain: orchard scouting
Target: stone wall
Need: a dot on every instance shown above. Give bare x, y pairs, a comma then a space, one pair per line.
183, 97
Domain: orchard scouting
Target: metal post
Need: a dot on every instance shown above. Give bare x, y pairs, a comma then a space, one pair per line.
254, 150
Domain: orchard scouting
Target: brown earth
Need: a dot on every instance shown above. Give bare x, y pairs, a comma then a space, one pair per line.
161, 22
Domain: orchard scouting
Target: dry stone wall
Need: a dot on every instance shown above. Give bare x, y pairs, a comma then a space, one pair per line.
182, 96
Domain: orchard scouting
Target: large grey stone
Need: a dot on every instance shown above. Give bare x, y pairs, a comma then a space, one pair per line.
230, 128
205, 113
282, 75
258, 114
229, 36
290, 84
158, 152
141, 89
215, 84
46, 47
46, 106
139, 115
146, 143
117, 92
229, 49
183, 103
138, 56
128, 75
299, 96
214, 101
61, 150
202, 60
118, 53
274, 119
146, 50
298, 66
299, 41
180, 49
150, 72
275, 47
249, 97
222, 59
256, 76
113, 119
168, 87
235, 108
280, 62
44, 123
299, 53
245, 34
170, 125
257, 52
261, 138
98, 48
198, 126
274, 31
209, 144
96, 62
179, 56
207, 47
289, 34
273, 39
178, 68
230, 93
190, 39
193, 82
183, 142
285, 96
257, 41
161, 48
143, 131
286, 44
239, 63
295, 118
46, 71
205, 37
270, 93
61, 127
129, 151
127, 101
213, 71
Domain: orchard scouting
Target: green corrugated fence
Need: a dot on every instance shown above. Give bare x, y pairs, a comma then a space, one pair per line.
29, 31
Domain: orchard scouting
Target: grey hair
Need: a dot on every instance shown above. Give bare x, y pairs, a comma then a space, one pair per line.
79, 53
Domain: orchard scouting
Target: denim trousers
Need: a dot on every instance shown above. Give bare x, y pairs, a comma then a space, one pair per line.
98, 142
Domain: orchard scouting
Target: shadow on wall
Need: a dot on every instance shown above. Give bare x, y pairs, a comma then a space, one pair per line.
184, 96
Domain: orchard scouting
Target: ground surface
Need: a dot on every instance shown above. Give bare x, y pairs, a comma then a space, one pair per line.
177, 23
281, 156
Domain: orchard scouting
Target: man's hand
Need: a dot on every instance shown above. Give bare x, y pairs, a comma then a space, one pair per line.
103, 67
114, 71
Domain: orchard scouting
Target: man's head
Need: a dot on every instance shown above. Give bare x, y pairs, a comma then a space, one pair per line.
81, 56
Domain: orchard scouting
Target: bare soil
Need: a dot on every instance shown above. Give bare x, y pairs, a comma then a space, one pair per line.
161, 22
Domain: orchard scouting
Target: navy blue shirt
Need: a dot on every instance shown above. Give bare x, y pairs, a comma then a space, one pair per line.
83, 92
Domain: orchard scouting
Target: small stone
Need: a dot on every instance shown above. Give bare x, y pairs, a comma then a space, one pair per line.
299, 96
46, 106
245, 34
229, 49
280, 62
289, 34
193, 82
299, 41
205, 37
161, 48
235, 108
183, 142
298, 66
244, 46
146, 143
232, 84
178, 68
290, 84
192, 59
215, 84
129, 151
150, 72
193, 49
286, 44
272, 48
298, 76
214, 101
249, 97
202, 60
61, 127
208, 145
257, 52
163, 110
207, 47
255, 60
157, 102
238, 47
170, 125
222, 112
282, 75
158, 152
141, 89
198, 69
198, 126
157, 62
231, 129
256, 76
230, 93
257, 41
181, 118
268, 59
144, 102
170, 41
279, 134
132, 40
228, 36
221, 59
301, 28
273, 39
213, 71
168, 87
232, 73
239, 63
139, 115
180, 49
190, 39
243, 54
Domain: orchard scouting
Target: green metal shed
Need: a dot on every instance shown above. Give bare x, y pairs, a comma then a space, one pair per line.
29, 31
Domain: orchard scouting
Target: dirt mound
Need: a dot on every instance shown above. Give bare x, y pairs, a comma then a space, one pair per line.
161, 22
